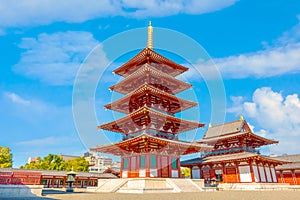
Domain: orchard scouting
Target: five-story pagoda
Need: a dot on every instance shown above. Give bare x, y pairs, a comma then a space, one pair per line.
150, 146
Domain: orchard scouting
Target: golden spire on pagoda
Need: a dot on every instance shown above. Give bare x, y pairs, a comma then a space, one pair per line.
150, 36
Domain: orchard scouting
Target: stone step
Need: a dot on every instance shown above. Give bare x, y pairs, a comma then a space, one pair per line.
185, 185
111, 185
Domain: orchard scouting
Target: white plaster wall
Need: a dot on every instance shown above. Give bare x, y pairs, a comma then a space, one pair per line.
274, 175
256, 175
124, 174
142, 173
245, 174
174, 173
262, 174
268, 173
153, 172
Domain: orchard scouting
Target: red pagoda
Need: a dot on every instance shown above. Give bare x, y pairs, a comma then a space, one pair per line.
235, 157
150, 146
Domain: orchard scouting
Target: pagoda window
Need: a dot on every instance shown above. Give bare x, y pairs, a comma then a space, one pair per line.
153, 161
125, 163
142, 161
174, 163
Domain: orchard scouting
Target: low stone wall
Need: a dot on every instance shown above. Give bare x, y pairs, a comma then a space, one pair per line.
20, 190
256, 186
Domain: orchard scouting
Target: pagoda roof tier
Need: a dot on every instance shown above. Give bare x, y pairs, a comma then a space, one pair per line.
152, 97
235, 157
158, 61
233, 131
148, 74
146, 118
145, 143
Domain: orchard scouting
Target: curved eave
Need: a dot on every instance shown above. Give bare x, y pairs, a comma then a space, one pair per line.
147, 69
161, 144
227, 137
121, 105
141, 58
185, 125
236, 157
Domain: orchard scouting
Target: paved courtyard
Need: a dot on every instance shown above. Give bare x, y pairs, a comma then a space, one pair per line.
234, 195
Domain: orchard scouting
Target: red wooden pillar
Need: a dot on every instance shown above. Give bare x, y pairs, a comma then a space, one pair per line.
52, 183
178, 166
271, 173
147, 165
76, 182
251, 171
258, 171
121, 168
238, 180
128, 167
64, 181
211, 172
159, 165
265, 173
281, 176
138, 159
294, 177
224, 177
170, 166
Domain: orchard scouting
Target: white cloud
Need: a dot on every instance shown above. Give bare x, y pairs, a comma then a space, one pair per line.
266, 63
277, 115
48, 141
290, 36
281, 57
236, 107
31, 12
158, 8
54, 59
31, 110
15, 98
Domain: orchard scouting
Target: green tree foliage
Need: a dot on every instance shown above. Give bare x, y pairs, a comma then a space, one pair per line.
5, 157
185, 171
78, 164
55, 162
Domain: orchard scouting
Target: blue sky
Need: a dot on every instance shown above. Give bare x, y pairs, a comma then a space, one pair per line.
255, 45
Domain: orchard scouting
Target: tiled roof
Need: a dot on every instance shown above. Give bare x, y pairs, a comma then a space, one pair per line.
290, 158
233, 129
295, 159
289, 166
143, 56
61, 173
224, 158
224, 129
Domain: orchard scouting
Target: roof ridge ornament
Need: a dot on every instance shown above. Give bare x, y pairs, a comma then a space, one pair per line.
150, 36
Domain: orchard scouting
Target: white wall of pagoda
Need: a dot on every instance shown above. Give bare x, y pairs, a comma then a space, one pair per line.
150, 165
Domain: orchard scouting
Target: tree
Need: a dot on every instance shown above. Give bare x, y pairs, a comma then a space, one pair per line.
5, 157
55, 162
78, 164
185, 171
